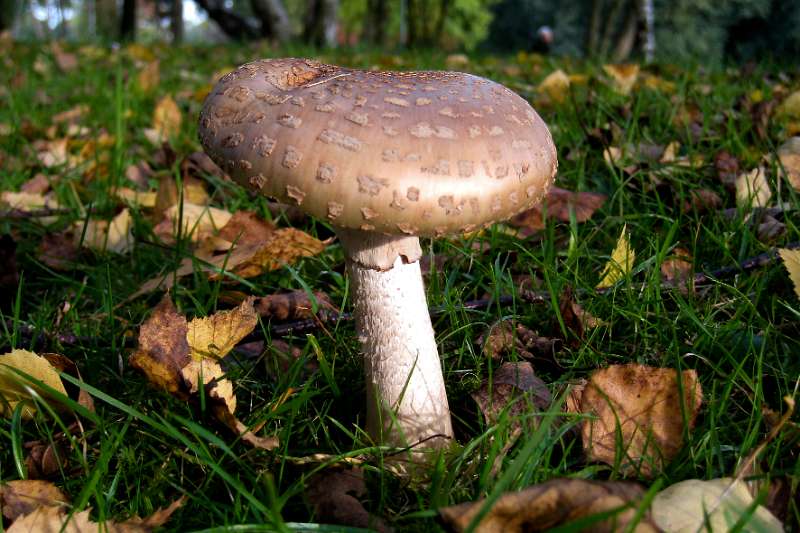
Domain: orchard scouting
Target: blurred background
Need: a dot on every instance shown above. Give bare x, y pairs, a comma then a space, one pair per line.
618, 30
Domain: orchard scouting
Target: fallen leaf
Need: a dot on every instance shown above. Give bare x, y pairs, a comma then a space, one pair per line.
790, 107
27, 202
713, 505
66, 61
283, 247
456, 61
295, 305
167, 120
15, 388
18, 498
506, 337
39, 184
58, 250
210, 374
670, 153
555, 86
149, 77
638, 416
677, 270
199, 165
769, 228
194, 192
139, 174
198, 222
620, 263
163, 348
558, 204
789, 156
104, 236
136, 198
52, 153
576, 318
702, 201
791, 260
752, 189
70, 116
45, 458
216, 335
246, 228
555, 503
334, 495
514, 388
623, 77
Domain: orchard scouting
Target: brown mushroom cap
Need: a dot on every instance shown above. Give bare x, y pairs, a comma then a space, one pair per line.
420, 153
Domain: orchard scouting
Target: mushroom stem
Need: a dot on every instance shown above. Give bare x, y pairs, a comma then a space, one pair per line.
406, 397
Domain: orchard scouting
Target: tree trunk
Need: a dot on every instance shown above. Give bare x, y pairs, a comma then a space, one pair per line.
105, 16
627, 37
127, 27
232, 24
595, 26
322, 23
274, 19
648, 14
439, 29
176, 21
612, 22
411, 23
8, 10
376, 21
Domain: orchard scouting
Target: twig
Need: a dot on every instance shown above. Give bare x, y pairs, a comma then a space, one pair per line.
312, 324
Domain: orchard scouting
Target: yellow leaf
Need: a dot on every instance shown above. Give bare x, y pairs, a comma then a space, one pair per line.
115, 236
199, 221
791, 260
216, 335
27, 201
623, 77
791, 106
752, 189
283, 247
657, 83
139, 52
555, 86
620, 264
136, 198
207, 371
14, 388
670, 152
167, 120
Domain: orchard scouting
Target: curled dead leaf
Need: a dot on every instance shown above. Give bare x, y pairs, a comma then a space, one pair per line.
516, 388
334, 495
18, 498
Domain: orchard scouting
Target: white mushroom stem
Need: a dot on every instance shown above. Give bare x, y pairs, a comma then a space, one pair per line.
406, 397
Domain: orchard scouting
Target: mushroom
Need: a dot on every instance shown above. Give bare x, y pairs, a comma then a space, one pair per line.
384, 157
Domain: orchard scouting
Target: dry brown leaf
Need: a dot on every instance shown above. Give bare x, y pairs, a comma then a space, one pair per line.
677, 270
576, 318
149, 76
216, 385
727, 167
246, 228
163, 348
57, 250
104, 236
558, 204
789, 156
216, 335
57, 520
66, 61
72, 115
752, 189
14, 388
554, 503
283, 247
39, 184
702, 201
515, 388
139, 174
506, 337
334, 495
18, 498
623, 77
52, 153
643, 404
194, 192
295, 305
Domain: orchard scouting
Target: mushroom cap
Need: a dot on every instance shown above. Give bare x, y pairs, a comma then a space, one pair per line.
420, 153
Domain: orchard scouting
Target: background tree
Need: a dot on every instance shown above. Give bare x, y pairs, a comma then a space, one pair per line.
322, 23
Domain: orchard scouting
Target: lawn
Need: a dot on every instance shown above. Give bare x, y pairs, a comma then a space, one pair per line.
663, 161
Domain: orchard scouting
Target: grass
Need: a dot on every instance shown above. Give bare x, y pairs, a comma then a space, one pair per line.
143, 449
